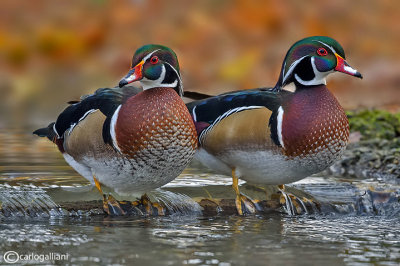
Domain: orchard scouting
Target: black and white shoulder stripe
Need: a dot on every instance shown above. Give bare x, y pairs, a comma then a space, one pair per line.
107, 100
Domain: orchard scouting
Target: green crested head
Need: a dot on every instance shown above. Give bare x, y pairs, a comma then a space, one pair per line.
310, 60
155, 66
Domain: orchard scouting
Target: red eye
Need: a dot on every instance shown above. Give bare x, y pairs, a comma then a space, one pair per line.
322, 51
154, 60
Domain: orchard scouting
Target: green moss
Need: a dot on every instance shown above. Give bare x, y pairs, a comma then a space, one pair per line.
375, 124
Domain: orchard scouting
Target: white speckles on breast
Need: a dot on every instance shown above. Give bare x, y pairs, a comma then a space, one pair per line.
319, 138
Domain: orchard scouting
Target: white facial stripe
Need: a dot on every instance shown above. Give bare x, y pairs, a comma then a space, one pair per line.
162, 76
179, 77
330, 47
148, 84
283, 69
113, 123
149, 55
133, 76
279, 125
170, 85
291, 68
319, 77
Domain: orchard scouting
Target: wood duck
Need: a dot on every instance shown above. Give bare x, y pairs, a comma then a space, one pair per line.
125, 138
273, 136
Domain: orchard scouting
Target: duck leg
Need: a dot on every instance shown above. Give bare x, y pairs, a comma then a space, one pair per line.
142, 206
292, 204
243, 204
110, 205
150, 208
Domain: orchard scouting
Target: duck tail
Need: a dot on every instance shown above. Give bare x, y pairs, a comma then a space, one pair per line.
192, 95
46, 132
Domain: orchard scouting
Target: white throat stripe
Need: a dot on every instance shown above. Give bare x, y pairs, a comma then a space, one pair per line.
148, 84
319, 77
291, 68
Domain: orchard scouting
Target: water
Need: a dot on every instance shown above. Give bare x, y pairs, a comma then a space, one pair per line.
260, 240
361, 226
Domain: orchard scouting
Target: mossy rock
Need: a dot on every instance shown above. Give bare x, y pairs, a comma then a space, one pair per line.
375, 124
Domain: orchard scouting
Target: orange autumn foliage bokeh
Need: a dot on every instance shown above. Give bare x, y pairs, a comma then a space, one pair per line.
52, 52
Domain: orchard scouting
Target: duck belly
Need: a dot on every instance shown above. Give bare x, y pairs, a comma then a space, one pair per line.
268, 168
148, 170
136, 176
257, 167
212, 162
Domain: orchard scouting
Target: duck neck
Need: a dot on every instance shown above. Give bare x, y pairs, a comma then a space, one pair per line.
176, 86
310, 97
306, 89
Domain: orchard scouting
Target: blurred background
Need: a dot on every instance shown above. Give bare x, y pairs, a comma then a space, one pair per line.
55, 51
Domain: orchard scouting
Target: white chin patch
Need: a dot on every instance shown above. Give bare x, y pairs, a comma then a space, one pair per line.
319, 77
149, 84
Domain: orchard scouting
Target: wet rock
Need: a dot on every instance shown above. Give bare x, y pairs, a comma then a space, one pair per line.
374, 151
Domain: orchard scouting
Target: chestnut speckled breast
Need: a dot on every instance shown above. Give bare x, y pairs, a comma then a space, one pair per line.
153, 121
315, 127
